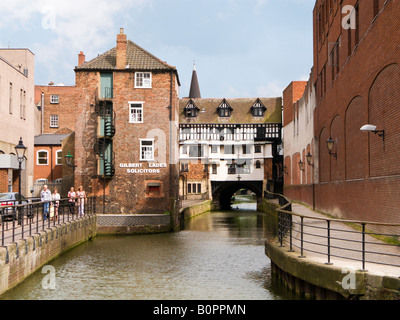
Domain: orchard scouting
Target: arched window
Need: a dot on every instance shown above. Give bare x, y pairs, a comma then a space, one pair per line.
258, 164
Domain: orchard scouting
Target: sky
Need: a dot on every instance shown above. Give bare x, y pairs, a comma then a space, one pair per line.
241, 48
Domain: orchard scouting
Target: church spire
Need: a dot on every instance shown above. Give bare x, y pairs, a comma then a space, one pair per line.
194, 86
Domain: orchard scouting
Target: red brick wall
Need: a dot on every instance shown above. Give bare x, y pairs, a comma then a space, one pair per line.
51, 171
3, 180
127, 192
363, 182
65, 109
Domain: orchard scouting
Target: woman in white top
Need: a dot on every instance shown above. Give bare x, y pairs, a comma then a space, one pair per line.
81, 195
56, 198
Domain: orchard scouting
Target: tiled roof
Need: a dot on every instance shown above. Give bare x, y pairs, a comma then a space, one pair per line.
137, 59
241, 112
50, 139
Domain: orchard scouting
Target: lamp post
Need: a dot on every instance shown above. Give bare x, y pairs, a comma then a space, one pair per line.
69, 158
20, 151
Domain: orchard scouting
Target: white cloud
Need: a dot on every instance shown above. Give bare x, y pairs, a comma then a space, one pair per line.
271, 89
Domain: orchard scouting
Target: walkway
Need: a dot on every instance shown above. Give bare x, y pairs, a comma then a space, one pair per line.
344, 239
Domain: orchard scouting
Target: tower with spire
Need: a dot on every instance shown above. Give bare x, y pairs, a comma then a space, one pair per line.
194, 92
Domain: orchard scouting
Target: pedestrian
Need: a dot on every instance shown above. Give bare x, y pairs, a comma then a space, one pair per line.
45, 196
56, 202
71, 201
81, 195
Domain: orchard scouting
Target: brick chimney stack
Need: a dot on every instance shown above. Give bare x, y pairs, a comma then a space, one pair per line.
121, 49
81, 58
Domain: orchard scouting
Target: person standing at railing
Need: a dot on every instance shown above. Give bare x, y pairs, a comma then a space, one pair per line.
71, 201
45, 196
56, 202
81, 195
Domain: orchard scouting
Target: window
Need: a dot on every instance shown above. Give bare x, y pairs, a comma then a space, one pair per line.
143, 80
194, 188
146, 150
245, 149
224, 109
257, 149
258, 164
135, 112
231, 169
42, 158
214, 149
229, 149
54, 121
184, 167
54, 98
184, 149
258, 109
196, 151
59, 158
214, 168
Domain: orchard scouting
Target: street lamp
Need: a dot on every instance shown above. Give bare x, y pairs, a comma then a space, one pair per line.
20, 151
301, 165
69, 158
330, 143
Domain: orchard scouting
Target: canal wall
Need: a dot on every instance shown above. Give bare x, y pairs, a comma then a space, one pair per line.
112, 224
195, 209
317, 280
22, 258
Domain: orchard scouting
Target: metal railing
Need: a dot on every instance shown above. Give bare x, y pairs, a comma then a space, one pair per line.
337, 239
18, 222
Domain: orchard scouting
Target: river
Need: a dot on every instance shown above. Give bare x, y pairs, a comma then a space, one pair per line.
218, 256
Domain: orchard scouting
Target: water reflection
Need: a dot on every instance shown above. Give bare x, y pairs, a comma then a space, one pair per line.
218, 256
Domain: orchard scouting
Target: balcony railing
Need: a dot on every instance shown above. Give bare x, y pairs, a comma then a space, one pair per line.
230, 132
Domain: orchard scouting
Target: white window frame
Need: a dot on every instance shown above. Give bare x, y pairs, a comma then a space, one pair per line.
148, 152
37, 158
143, 80
54, 98
54, 121
59, 159
134, 106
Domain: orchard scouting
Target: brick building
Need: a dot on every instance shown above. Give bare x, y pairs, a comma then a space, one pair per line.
17, 114
356, 78
126, 128
57, 104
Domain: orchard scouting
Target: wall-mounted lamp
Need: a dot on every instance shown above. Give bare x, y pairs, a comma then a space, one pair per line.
372, 128
285, 170
301, 165
330, 143
309, 159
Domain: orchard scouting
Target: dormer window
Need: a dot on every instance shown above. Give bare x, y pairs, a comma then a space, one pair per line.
258, 109
191, 110
224, 109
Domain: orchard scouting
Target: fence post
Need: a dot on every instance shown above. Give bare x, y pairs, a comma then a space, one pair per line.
329, 242
302, 237
363, 248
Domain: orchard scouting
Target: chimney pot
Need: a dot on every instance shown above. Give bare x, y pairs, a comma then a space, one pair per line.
122, 44
81, 58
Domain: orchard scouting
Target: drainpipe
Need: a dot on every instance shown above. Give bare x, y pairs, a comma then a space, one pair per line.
42, 129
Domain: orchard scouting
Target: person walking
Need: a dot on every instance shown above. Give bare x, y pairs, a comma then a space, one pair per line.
71, 201
45, 196
81, 195
56, 202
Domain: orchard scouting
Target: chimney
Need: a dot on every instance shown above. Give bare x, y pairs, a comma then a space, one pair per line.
81, 58
121, 49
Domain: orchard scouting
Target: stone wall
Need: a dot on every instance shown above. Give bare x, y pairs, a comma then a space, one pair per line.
24, 257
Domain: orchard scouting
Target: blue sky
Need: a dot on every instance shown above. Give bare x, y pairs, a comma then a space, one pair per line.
242, 48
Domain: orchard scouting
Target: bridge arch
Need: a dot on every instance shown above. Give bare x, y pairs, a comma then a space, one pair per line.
222, 192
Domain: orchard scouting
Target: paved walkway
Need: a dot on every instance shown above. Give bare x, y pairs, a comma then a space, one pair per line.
344, 239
